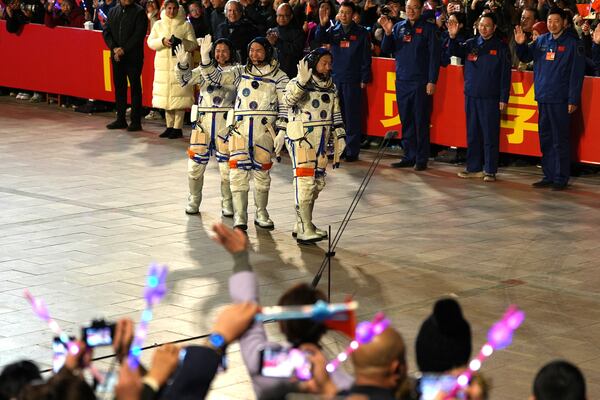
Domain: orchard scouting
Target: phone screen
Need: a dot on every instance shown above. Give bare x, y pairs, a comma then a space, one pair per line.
430, 385
98, 336
284, 363
59, 350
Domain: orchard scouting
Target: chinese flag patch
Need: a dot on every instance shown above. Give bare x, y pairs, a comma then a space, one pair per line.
561, 48
419, 30
494, 52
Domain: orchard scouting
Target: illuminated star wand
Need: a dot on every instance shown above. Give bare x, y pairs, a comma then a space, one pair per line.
499, 337
40, 309
156, 288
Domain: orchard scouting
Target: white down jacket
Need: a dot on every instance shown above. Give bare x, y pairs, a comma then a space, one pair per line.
167, 93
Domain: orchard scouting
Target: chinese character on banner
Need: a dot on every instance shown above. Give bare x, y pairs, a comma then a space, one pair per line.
389, 98
521, 114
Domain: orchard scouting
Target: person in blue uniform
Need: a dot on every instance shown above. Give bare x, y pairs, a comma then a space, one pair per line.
351, 49
558, 70
487, 86
415, 43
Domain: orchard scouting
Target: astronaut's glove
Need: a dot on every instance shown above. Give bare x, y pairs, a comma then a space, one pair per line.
339, 145
278, 144
304, 73
182, 56
205, 46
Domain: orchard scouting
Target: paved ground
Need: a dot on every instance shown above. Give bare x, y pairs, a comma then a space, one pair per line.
83, 211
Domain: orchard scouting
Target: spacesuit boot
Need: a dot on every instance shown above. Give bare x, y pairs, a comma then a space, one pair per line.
195, 196
240, 210
306, 231
226, 202
262, 216
319, 232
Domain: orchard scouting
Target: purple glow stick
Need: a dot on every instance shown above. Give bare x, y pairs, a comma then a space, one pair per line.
499, 337
365, 333
41, 310
156, 288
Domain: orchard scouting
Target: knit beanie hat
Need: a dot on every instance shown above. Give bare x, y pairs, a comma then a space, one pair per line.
444, 340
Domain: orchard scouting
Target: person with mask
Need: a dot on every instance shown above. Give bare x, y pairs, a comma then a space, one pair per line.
210, 134
314, 116
259, 120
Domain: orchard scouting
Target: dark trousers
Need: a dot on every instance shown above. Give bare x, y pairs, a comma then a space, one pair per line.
350, 95
483, 134
122, 71
414, 107
553, 127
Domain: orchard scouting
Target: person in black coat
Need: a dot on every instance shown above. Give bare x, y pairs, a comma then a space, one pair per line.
124, 34
288, 39
237, 29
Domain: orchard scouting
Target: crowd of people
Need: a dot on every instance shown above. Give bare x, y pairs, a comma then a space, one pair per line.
443, 348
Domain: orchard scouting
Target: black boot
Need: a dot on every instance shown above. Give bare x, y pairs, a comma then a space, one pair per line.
134, 126
166, 133
176, 134
117, 124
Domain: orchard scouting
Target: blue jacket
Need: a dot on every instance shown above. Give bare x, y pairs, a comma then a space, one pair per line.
417, 51
351, 52
487, 67
558, 80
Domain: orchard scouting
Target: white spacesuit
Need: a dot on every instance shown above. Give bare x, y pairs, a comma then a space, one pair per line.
314, 115
210, 134
259, 113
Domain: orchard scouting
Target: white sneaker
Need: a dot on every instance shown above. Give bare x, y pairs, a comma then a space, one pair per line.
153, 115
13, 94
20, 96
25, 96
36, 98
128, 111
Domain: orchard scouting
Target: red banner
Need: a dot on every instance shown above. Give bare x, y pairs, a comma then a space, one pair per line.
69, 61
76, 62
519, 130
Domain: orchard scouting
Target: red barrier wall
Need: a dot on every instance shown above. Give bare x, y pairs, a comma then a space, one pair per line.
76, 62
519, 131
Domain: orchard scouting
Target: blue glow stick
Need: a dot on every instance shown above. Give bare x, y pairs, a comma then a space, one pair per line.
156, 288
319, 311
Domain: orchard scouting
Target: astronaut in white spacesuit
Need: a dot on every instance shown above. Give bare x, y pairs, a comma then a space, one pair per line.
258, 121
314, 115
210, 133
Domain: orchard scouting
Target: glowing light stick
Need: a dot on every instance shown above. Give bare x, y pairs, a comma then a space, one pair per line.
365, 333
156, 288
319, 311
499, 337
41, 310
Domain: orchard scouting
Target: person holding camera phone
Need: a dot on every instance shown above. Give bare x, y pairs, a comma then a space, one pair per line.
171, 30
243, 287
487, 87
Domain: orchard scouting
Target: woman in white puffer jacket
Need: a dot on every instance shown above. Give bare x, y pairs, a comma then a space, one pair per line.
167, 93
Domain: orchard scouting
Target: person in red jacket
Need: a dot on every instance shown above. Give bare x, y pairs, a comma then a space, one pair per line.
67, 14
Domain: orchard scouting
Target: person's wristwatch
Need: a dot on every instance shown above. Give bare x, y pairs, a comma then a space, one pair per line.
217, 342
